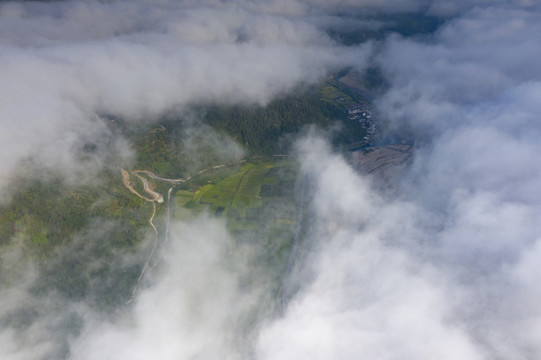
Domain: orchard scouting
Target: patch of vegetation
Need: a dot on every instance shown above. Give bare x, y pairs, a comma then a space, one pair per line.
46, 217
260, 129
412, 24
331, 93
224, 191
255, 198
182, 197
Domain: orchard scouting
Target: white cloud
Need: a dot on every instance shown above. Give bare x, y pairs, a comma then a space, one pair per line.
198, 306
371, 298
65, 62
442, 267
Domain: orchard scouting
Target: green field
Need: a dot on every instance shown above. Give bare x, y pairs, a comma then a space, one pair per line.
248, 197
256, 199
183, 197
332, 94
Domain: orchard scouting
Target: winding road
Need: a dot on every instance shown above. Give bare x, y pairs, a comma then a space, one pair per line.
154, 176
154, 197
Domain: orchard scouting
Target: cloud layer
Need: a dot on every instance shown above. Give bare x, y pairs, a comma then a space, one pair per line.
199, 308
441, 265
65, 65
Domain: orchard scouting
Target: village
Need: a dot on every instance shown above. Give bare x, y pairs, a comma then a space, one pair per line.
361, 113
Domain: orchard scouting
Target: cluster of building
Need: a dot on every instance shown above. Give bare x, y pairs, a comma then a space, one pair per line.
361, 113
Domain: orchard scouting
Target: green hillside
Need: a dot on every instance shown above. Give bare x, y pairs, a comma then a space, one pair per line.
89, 229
